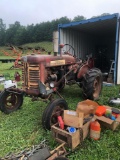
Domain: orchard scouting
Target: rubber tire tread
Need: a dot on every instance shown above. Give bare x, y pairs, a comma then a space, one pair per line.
4, 109
88, 81
48, 112
0, 98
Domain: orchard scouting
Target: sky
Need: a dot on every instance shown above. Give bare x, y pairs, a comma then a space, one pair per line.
29, 12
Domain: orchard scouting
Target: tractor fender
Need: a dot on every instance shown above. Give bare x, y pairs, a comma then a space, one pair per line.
83, 70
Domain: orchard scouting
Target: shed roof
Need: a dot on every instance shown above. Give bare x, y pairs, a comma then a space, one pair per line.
100, 25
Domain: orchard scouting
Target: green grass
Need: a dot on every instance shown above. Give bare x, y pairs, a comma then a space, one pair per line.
48, 46
23, 128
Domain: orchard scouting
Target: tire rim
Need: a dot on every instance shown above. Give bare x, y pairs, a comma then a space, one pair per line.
11, 101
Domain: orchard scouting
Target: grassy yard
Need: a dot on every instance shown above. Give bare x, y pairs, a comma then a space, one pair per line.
23, 128
48, 46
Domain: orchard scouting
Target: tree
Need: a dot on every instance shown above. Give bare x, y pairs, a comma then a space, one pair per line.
103, 14
2, 32
30, 33
78, 18
20, 36
10, 36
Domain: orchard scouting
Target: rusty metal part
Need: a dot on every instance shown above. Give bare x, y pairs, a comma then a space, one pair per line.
58, 83
59, 94
25, 154
37, 152
15, 90
46, 59
42, 73
83, 70
30, 76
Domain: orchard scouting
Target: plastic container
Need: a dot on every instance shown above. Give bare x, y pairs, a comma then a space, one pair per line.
95, 130
100, 110
71, 129
61, 123
10, 83
2, 80
108, 113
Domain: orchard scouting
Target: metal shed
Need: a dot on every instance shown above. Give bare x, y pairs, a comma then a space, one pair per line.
99, 37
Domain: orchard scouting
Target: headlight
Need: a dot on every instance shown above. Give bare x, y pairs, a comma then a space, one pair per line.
52, 84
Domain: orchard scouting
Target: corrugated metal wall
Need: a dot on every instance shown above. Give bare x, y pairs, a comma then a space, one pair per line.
82, 42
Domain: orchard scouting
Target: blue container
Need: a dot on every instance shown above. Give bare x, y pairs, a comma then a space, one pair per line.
71, 129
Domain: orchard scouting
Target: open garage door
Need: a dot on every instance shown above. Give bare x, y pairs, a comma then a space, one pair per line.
96, 36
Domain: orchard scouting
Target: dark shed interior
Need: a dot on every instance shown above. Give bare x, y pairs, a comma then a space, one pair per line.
101, 34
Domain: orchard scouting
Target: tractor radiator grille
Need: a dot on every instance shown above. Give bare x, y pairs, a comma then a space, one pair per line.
30, 75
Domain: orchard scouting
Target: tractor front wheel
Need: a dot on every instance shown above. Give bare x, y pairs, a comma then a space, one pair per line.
92, 84
54, 109
10, 102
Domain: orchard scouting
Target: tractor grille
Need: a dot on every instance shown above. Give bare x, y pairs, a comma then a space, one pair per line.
30, 75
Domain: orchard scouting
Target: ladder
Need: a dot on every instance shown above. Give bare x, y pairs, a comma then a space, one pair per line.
112, 67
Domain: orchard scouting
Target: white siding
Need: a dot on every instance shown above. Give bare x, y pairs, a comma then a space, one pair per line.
118, 66
55, 41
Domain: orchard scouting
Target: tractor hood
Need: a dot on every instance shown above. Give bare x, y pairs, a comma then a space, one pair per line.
49, 60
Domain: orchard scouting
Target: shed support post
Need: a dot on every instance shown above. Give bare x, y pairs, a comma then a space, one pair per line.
118, 52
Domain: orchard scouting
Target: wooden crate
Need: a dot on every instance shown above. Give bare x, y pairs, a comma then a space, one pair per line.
73, 119
107, 122
71, 140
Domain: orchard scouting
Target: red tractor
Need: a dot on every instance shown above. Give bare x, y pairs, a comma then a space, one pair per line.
43, 75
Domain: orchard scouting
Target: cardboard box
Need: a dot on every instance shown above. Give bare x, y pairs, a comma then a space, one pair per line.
107, 122
72, 140
73, 119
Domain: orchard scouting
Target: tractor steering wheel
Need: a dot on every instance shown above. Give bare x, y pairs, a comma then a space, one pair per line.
70, 47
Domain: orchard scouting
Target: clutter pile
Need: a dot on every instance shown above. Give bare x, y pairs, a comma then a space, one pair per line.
38, 152
74, 126
108, 116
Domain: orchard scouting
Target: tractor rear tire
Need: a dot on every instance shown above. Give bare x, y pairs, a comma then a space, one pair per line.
10, 102
52, 111
92, 84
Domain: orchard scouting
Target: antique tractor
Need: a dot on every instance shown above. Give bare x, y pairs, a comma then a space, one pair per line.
43, 75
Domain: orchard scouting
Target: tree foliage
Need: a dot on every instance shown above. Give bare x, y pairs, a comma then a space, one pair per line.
2, 32
78, 18
17, 34
103, 14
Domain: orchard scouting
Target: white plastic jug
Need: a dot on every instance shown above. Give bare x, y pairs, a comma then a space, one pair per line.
10, 83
